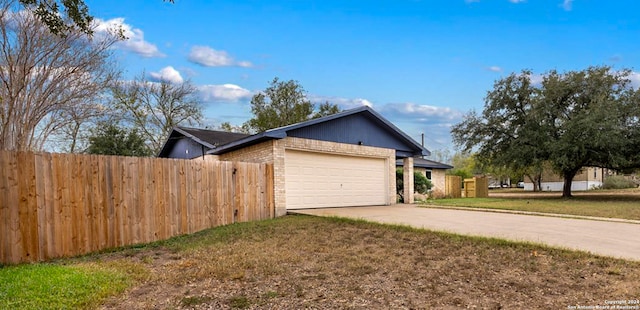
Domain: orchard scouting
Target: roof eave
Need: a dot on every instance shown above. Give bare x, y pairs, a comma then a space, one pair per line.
250, 140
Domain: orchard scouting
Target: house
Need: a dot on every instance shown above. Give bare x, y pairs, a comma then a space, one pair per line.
345, 159
433, 170
587, 178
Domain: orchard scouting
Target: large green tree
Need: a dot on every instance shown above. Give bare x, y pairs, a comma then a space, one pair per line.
111, 139
570, 120
284, 103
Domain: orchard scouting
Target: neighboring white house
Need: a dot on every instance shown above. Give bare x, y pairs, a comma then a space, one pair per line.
588, 178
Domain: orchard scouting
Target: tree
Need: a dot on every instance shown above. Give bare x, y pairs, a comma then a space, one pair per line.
282, 104
441, 155
73, 135
63, 16
465, 165
326, 109
571, 120
110, 139
154, 108
226, 126
45, 79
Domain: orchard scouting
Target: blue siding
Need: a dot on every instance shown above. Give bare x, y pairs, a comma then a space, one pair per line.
352, 130
186, 148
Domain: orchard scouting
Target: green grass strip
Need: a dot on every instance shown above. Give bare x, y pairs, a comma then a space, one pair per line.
52, 286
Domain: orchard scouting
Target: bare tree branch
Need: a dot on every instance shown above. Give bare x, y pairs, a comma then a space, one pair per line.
43, 77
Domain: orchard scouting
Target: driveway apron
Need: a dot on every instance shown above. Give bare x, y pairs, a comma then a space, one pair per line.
615, 239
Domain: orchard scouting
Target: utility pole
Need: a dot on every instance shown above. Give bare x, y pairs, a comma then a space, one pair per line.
422, 134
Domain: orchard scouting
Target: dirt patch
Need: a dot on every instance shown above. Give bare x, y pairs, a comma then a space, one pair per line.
305, 262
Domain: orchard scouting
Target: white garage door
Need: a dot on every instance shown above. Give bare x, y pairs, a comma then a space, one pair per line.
319, 180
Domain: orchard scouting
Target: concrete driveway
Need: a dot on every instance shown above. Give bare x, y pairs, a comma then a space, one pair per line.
616, 239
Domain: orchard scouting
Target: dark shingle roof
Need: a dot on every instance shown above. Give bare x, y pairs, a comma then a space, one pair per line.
425, 163
214, 138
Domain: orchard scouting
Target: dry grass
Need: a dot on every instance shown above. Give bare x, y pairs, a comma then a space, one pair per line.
299, 262
623, 204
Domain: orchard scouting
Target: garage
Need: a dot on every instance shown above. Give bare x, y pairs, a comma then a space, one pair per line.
321, 180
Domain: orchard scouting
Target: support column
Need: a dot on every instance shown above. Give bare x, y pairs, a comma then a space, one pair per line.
407, 179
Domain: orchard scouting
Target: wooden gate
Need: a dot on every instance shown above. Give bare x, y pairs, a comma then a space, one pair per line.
476, 187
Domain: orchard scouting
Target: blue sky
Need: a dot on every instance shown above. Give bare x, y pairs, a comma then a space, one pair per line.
421, 64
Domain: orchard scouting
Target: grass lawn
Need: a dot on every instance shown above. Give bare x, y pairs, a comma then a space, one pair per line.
623, 204
296, 262
62, 285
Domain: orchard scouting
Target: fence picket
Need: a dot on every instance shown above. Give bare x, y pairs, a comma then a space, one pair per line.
55, 205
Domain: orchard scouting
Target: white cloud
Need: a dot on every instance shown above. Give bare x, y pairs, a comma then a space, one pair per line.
634, 77
343, 103
208, 57
536, 79
422, 112
414, 119
134, 41
167, 74
517, 1
494, 69
225, 92
567, 5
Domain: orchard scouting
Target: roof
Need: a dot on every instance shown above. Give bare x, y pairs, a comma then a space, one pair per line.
211, 138
425, 163
208, 138
282, 132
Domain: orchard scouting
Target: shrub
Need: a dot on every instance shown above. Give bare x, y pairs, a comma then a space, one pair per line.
618, 182
420, 182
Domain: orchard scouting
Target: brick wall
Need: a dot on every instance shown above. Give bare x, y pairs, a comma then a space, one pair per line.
438, 179
408, 187
259, 153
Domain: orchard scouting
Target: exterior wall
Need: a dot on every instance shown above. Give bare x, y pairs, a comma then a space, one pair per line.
186, 148
438, 179
357, 129
259, 153
274, 152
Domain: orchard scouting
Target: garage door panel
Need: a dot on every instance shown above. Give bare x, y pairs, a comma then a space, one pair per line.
316, 180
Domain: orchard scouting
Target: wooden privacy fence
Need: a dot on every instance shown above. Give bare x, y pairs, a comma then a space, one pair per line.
55, 205
453, 186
